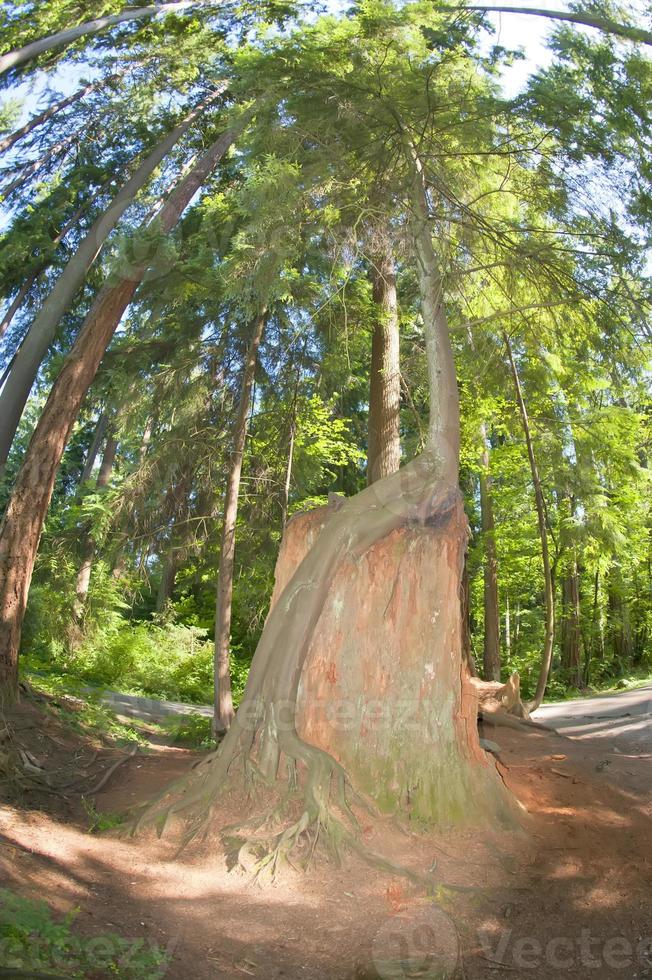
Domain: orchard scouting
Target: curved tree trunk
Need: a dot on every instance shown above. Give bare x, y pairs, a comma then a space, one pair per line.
548, 583
41, 333
604, 24
30, 51
491, 649
224, 712
22, 524
384, 448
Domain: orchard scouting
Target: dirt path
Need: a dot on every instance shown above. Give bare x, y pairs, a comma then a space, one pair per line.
571, 896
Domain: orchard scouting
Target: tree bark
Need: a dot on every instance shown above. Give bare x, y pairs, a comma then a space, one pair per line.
491, 648
88, 544
224, 713
549, 588
30, 51
384, 447
43, 329
22, 524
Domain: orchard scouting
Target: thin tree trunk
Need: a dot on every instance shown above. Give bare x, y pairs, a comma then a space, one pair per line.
384, 447
444, 421
98, 439
508, 628
619, 627
88, 544
168, 579
224, 712
491, 648
31, 168
288, 476
571, 636
465, 603
30, 51
32, 124
43, 329
549, 588
587, 19
22, 524
287, 483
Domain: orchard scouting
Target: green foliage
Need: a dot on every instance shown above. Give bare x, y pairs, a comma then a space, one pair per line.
171, 661
86, 715
97, 821
191, 730
32, 939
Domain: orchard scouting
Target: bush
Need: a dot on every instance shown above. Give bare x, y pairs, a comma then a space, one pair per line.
32, 941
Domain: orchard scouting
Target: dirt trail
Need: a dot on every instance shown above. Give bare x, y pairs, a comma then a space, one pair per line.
570, 896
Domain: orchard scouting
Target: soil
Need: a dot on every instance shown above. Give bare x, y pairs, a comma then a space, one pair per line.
567, 894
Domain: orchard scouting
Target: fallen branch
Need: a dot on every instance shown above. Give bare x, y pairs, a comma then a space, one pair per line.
109, 772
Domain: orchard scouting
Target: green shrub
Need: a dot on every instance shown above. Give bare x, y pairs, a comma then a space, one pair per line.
31, 939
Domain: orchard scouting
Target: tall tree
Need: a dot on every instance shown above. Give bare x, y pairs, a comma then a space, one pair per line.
491, 648
384, 451
224, 713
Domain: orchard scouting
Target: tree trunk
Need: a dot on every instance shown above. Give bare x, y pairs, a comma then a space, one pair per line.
88, 544
465, 604
619, 628
491, 648
285, 500
604, 24
571, 635
548, 584
24, 173
21, 527
508, 628
43, 329
30, 51
224, 712
168, 579
93, 451
384, 448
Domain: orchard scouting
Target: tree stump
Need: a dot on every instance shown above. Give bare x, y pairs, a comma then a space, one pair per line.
383, 688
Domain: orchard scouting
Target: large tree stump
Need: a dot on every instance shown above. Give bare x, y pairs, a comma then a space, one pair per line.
383, 688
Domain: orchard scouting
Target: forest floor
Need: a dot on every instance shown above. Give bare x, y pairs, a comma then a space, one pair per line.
568, 896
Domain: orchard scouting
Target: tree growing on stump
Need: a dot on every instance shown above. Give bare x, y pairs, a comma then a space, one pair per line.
364, 627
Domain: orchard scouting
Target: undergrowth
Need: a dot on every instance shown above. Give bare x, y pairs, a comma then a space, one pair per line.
35, 941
